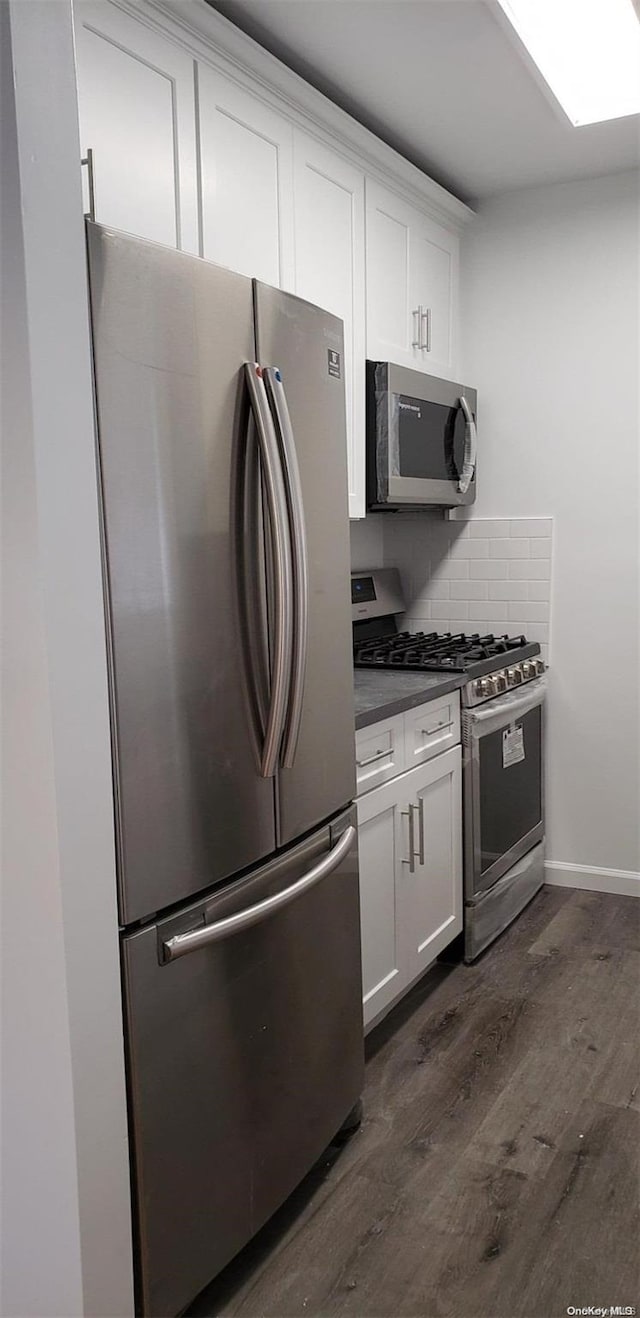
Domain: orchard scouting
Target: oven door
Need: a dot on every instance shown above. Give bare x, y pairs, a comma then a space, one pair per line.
424, 438
503, 784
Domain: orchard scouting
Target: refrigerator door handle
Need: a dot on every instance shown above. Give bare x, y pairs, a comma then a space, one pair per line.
283, 613
205, 935
293, 483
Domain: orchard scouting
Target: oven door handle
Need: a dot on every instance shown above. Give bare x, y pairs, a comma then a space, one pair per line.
470, 446
505, 709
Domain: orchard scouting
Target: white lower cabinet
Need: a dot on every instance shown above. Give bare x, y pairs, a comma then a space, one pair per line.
410, 843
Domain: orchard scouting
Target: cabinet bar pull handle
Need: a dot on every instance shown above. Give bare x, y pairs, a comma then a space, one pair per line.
379, 755
425, 316
421, 828
411, 862
88, 161
417, 327
438, 727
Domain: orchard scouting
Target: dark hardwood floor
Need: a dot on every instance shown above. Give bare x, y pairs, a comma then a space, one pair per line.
496, 1170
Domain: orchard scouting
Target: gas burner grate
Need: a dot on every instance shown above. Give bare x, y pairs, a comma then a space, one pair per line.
434, 651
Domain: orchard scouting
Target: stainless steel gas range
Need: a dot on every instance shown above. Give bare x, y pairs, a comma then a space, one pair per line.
502, 696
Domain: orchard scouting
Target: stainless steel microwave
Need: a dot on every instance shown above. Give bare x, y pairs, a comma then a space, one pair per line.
421, 440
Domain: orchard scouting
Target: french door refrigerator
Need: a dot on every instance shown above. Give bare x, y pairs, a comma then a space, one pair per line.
222, 458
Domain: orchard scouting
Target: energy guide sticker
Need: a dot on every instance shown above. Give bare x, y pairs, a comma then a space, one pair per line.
512, 746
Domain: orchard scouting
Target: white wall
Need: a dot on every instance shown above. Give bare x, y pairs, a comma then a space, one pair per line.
66, 1235
550, 338
40, 1272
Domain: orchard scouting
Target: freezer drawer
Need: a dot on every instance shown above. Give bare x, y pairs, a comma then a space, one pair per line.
245, 1056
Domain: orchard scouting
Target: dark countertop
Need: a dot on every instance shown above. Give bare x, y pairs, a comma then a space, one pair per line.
381, 693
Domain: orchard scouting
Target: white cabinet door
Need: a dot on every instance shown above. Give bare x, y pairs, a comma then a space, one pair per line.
137, 114
246, 151
412, 272
432, 894
330, 263
432, 287
382, 846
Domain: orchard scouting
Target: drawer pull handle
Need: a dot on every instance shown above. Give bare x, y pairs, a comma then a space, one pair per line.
379, 755
421, 828
438, 727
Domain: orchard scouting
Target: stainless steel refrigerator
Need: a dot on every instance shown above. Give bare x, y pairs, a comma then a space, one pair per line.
221, 438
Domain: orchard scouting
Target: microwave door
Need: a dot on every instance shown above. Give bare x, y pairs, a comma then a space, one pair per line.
426, 450
425, 427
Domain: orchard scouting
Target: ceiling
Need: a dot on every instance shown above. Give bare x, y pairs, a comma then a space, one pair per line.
445, 82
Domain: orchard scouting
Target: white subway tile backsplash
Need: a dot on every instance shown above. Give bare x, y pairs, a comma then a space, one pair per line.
435, 590
471, 548
444, 609
488, 527
468, 590
480, 611
541, 548
481, 574
508, 590
509, 548
531, 611
533, 569
538, 590
452, 569
530, 526
488, 569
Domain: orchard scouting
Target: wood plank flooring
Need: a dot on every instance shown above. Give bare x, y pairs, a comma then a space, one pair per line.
496, 1171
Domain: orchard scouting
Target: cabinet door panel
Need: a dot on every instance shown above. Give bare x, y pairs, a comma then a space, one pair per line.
432, 282
433, 914
387, 283
137, 114
246, 181
380, 846
411, 263
329, 237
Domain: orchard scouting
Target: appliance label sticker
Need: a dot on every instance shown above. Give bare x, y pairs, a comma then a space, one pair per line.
334, 362
512, 746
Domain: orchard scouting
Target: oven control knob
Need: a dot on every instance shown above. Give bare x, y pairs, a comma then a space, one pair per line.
528, 670
490, 687
500, 680
514, 676
539, 666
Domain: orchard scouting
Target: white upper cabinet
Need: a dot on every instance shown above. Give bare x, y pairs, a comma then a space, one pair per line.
246, 152
137, 115
329, 271
412, 278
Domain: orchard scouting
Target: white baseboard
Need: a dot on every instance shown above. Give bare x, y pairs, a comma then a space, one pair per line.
624, 882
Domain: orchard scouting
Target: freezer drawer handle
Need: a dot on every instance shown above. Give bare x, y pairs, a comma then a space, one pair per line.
204, 935
300, 557
278, 521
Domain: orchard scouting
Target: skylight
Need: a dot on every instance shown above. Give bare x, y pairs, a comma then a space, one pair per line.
588, 51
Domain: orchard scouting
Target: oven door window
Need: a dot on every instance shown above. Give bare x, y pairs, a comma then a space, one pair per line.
510, 787
430, 439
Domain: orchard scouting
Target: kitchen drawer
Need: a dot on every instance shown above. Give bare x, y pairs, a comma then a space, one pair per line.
379, 753
431, 729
